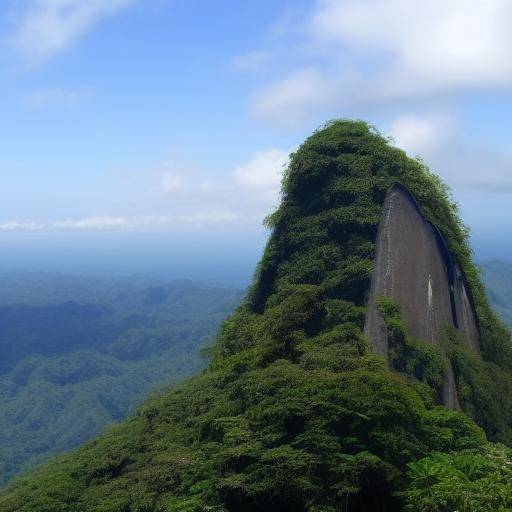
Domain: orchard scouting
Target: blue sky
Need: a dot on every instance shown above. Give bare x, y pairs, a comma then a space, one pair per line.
135, 128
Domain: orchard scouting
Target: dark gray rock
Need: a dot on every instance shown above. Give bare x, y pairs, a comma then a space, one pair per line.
464, 313
414, 267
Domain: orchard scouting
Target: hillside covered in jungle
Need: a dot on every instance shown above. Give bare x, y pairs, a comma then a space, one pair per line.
296, 413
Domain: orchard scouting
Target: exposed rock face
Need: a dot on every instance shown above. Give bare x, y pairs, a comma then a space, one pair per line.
465, 318
414, 267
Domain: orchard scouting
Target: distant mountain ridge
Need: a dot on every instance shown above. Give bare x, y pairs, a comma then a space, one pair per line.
68, 369
497, 276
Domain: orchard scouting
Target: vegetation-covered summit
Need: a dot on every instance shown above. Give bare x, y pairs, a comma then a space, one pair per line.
295, 412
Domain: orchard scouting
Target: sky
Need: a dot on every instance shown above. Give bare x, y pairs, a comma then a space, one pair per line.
150, 135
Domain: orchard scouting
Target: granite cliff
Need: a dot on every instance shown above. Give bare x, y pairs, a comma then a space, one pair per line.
414, 266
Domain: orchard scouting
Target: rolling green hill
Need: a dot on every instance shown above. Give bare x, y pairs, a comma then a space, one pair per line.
295, 412
69, 369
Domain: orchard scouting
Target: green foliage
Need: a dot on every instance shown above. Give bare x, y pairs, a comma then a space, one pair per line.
466, 481
418, 359
283, 437
74, 368
484, 388
295, 412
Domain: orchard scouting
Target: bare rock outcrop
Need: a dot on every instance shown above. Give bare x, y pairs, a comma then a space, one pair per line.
414, 267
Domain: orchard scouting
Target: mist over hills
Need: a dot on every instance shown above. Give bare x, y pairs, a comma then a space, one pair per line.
79, 353
232, 251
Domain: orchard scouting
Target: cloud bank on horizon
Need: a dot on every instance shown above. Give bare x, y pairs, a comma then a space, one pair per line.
118, 97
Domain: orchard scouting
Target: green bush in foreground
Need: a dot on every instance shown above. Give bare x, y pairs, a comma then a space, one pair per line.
295, 412
471, 480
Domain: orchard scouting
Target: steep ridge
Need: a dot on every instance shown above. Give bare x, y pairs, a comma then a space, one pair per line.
498, 280
297, 412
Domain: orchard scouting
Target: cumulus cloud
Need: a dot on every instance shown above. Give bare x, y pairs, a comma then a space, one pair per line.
419, 134
243, 195
292, 100
445, 43
466, 167
262, 173
257, 180
48, 27
461, 163
350, 57
368, 52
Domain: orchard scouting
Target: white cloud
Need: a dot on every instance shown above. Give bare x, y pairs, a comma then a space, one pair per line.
426, 44
111, 222
292, 100
257, 181
243, 196
20, 226
54, 97
93, 223
108, 222
468, 167
261, 175
48, 27
462, 164
375, 52
420, 135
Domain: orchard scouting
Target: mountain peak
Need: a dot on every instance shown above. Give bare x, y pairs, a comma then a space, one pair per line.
300, 410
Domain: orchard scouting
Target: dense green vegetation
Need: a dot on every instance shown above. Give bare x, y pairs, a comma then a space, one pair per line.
77, 354
295, 412
466, 481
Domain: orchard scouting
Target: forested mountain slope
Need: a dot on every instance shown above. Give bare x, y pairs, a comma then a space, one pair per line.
77, 354
497, 276
295, 412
